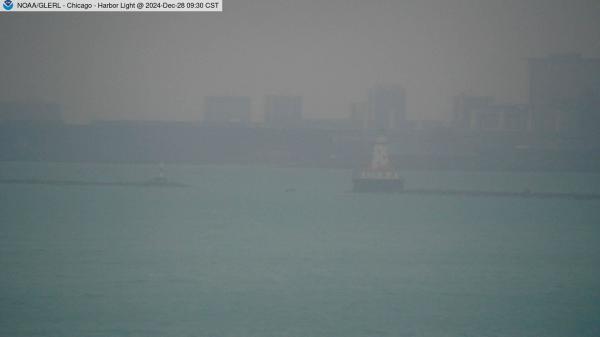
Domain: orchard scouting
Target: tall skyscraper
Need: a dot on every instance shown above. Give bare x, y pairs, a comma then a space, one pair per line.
359, 115
387, 106
283, 111
464, 108
564, 93
482, 114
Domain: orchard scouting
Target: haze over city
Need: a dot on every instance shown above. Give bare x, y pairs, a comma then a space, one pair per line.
300, 168
160, 66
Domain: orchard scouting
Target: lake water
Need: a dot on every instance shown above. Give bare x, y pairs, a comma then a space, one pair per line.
236, 255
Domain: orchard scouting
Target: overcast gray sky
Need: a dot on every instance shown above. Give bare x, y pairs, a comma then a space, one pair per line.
160, 65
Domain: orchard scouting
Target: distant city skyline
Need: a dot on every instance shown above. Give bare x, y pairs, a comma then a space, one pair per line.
161, 66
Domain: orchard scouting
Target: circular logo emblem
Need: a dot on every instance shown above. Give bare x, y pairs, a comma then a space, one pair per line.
8, 5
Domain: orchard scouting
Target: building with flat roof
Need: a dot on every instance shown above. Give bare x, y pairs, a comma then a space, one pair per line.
387, 107
564, 93
359, 115
480, 113
464, 107
283, 111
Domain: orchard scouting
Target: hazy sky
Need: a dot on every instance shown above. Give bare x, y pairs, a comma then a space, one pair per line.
160, 65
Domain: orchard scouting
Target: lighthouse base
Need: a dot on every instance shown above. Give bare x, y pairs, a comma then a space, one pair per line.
370, 185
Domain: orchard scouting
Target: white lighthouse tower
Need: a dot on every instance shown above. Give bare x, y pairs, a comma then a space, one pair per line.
380, 167
379, 176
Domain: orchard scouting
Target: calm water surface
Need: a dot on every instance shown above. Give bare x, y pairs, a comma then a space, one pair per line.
237, 255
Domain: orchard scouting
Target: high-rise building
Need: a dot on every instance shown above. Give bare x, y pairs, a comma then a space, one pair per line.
387, 107
564, 93
283, 111
359, 115
227, 109
482, 114
464, 108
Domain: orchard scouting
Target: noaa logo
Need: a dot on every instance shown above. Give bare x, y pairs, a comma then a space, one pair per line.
8, 5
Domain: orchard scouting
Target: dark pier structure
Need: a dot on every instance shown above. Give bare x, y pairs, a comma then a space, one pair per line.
510, 194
